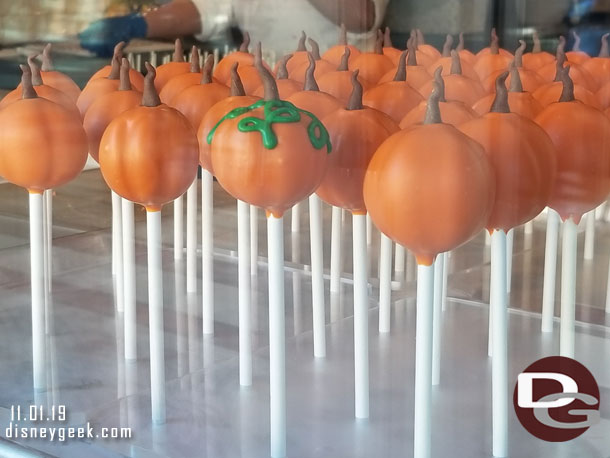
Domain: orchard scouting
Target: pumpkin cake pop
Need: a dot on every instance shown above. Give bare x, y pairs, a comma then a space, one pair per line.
446, 61
579, 75
335, 53
492, 58
424, 59
388, 48
195, 101
373, 65
523, 157
425, 48
576, 56
285, 85
105, 109
222, 72
299, 57
417, 75
176, 67
250, 76
42, 144
322, 66
602, 96
530, 80
537, 58
180, 82
405, 191
56, 79
599, 67
311, 98
550, 92
99, 87
273, 164
457, 86
214, 114
338, 83
452, 111
521, 102
395, 98
493, 47
136, 78
466, 55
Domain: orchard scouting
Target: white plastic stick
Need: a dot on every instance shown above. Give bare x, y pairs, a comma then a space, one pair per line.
600, 211
590, 235
499, 364
277, 340
37, 289
49, 238
422, 430
179, 228
528, 228
550, 270
116, 228
608, 291
207, 247
335, 251
317, 277
385, 283
119, 279
445, 279
369, 230
129, 283
487, 238
253, 240
191, 238
437, 319
295, 222
568, 289
399, 262
510, 236
243, 253
155, 311
361, 317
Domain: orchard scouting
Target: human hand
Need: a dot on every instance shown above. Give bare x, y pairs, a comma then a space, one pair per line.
102, 35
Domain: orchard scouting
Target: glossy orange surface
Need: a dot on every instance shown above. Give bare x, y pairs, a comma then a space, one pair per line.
521, 103
61, 82
454, 113
319, 103
457, 87
445, 63
93, 91
195, 101
178, 84
372, 66
335, 53
44, 91
339, 84
530, 80
579, 75
536, 60
395, 98
136, 78
488, 63
222, 72
167, 71
551, 92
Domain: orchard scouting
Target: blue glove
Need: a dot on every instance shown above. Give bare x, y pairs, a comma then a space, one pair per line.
102, 36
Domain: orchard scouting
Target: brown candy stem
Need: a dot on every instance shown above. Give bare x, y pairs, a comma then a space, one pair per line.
301, 46
561, 47
413, 36
178, 51
401, 70
387, 39
245, 44
344, 64
206, 72
35, 69
27, 90
237, 87
315, 48
118, 50
561, 59
500, 103
447, 46
519, 54
460, 46
282, 71
355, 100
456, 63
150, 96
537, 46
343, 35
412, 57
576, 46
567, 94
420, 37
125, 84
310, 79
603, 51
379, 43
494, 45
515, 79
438, 80
269, 84
195, 64
47, 60
433, 110
115, 69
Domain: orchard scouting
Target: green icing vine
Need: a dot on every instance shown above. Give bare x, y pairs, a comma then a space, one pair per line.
275, 112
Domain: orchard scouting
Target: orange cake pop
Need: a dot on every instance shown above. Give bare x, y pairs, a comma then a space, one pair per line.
180, 82
581, 135
580, 76
42, 90
530, 80
465, 55
395, 98
457, 86
55, 79
425, 48
338, 83
521, 102
269, 154
322, 66
420, 173
250, 76
417, 75
140, 161
424, 59
222, 72
492, 59
136, 78
599, 67
550, 92
176, 67
195, 101
335, 53
373, 65
576, 56
42, 145
446, 61
493, 47
105, 109
286, 86
537, 58
452, 111
99, 87
237, 99
299, 57
388, 48
523, 157
602, 96
311, 98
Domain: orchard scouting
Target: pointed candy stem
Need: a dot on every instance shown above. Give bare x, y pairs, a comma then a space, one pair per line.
379, 43
343, 35
315, 48
401, 70
269, 84
27, 89
35, 69
519, 54
301, 46
447, 46
412, 57
576, 46
567, 94
387, 39
47, 60
603, 51
245, 44
344, 64
500, 103
537, 46
433, 110
115, 69
237, 88
355, 100
195, 64
456, 63
494, 45
178, 51
460, 46
150, 96
206, 72
438, 81
282, 71
125, 84
310, 79
515, 79
420, 37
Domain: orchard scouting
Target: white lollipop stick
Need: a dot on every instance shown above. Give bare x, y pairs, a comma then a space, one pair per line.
550, 269
528, 228
295, 222
445, 279
119, 279
253, 240
361, 317
37, 289
437, 319
399, 262
487, 238
335, 250
179, 227
155, 310
191, 238
608, 291
115, 228
207, 247
590, 235
277, 340
568, 289
385, 283
510, 236
317, 277
129, 280
243, 253
48, 194
600, 211
369, 230
422, 430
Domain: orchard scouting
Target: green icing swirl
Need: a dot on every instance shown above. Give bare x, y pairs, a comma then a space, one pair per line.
276, 112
